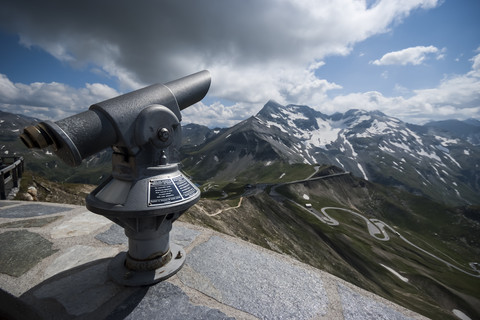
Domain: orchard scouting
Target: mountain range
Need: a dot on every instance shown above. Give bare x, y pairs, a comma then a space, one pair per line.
439, 160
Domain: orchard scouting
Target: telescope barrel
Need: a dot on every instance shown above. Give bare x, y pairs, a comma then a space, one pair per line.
190, 89
177, 94
73, 138
110, 122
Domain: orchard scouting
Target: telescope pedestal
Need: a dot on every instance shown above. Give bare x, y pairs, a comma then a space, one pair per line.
146, 209
145, 194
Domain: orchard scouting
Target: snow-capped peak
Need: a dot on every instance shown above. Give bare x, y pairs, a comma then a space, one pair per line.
371, 144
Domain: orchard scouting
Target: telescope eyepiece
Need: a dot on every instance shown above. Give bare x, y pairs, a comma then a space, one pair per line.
36, 137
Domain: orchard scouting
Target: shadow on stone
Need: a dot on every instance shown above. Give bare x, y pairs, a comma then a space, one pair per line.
83, 292
87, 292
14, 308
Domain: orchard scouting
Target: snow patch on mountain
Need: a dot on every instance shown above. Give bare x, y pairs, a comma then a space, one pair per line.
291, 115
442, 148
360, 119
407, 132
363, 171
269, 124
340, 163
385, 148
326, 133
398, 275
447, 141
430, 155
377, 128
453, 160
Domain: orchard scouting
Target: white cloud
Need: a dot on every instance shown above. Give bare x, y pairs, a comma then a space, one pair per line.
50, 100
476, 65
456, 97
413, 55
7, 88
255, 50
217, 114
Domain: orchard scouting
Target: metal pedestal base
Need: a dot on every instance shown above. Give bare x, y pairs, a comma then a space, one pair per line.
124, 276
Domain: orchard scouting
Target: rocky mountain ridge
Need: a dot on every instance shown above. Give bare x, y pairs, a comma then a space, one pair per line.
425, 160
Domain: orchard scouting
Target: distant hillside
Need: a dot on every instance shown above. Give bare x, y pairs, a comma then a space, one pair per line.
468, 130
195, 134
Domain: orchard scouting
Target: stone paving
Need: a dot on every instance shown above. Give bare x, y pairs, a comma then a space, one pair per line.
54, 259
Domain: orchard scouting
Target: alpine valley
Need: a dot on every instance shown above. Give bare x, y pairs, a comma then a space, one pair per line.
388, 206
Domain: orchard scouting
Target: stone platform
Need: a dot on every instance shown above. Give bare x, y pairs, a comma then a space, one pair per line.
54, 258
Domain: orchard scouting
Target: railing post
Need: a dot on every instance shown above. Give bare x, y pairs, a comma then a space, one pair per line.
11, 172
3, 195
20, 168
15, 175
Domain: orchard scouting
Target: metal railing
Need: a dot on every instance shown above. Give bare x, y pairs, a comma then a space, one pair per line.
11, 170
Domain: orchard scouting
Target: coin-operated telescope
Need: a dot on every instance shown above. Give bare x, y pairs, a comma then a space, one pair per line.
145, 193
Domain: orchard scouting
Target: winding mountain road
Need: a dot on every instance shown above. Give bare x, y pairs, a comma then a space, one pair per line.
376, 228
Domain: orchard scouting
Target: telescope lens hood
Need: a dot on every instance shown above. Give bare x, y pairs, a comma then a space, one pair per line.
48, 133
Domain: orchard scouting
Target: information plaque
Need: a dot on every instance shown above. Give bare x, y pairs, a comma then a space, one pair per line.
169, 191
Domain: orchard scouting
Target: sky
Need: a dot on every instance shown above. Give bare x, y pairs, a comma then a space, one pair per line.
416, 60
